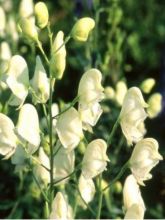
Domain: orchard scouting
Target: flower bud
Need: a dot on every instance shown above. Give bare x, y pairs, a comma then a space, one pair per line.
3, 22
28, 29
5, 51
41, 14
109, 92
132, 115
69, 128
121, 90
136, 211
144, 157
86, 188
147, 85
17, 79
40, 83
26, 8
131, 193
58, 59
65, 168
154, 105
7, 137
28, 127
82, 28
95, 159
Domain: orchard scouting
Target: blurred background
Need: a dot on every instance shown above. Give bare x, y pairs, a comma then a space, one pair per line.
128, 45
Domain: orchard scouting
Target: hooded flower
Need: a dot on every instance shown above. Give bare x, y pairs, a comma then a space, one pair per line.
41, 173
69, 129
82, 28
95, 159
154, 105
17, 79
7, 136
86, 188
144, 157
60, 207
40, 83
131, 193
64, 168
136, 211
90, 93
28, 127
132, 115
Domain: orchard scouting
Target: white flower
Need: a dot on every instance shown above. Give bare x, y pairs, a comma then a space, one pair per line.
69, 128
90, 93
95, 159
60, 207
63, 164
5, 51
136, 211
154, 105
28, 127
86, 188
40, 82
131, 193
58, 59
82, 28
132, 115
41, 173
7, 137
17, 79
144, 157
55, 111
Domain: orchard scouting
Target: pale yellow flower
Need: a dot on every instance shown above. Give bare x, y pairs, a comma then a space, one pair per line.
60, 208
132, 115
131, 193
136, 211
17, 79
40, 83
8, 139
121, 90
144, 157
69, 128
86, 188
95, 159
90, 93
63, 164
28, 127
82, 28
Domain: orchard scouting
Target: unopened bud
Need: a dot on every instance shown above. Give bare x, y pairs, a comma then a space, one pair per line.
28, 29
147, 85
41, 14
81, 29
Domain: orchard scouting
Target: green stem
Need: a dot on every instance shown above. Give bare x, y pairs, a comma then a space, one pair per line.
100, 198
113, 131
122, 171
71, 105
42, 51
51, 139
50, 36
87, 205
65, 42
39, 186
